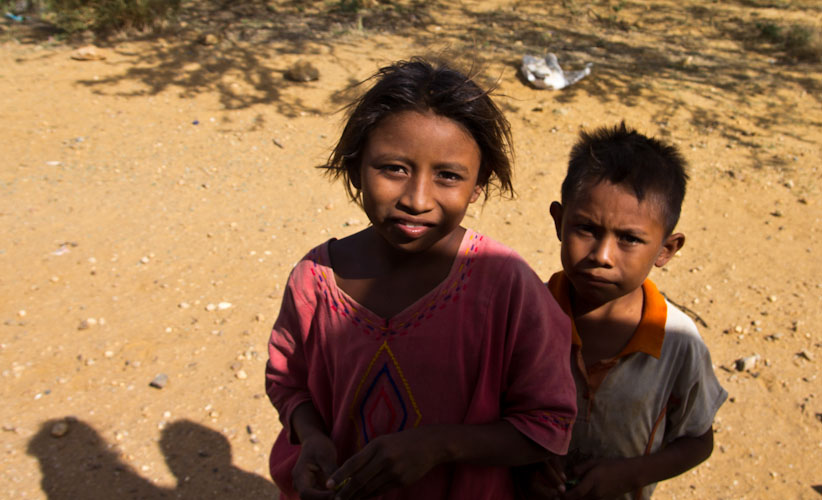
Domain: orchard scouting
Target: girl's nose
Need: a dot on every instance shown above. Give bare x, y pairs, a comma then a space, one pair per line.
417, 196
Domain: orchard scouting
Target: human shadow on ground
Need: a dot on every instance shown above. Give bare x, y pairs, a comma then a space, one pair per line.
80, 465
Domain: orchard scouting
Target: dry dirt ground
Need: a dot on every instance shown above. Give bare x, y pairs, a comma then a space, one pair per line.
153, 202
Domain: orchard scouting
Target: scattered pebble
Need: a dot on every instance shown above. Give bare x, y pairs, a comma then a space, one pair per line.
804, 353
87, 323
208, 39
211, 307
183, 305
145, 260
278, 143
241, 374
160, 381
772, 298
21, 313
259, 317
747, 363
302, 71
60, 429
223, 306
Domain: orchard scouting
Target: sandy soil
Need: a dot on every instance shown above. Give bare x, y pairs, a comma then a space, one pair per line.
141, 191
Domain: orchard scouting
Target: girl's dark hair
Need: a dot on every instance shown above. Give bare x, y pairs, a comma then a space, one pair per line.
420, 85
621, 155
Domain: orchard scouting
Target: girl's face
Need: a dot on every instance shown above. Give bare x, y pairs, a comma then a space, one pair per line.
418, 175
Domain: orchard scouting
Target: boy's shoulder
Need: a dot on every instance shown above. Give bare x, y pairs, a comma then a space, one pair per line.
681, 332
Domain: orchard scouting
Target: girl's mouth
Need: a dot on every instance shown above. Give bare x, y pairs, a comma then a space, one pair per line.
412, 229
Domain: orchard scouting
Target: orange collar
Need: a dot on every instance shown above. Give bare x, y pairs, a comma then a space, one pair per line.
649, 334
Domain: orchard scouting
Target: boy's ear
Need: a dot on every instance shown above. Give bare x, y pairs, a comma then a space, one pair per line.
670, 246
556, 214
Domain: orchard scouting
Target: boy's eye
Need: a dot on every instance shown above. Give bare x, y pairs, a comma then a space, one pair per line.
631, 239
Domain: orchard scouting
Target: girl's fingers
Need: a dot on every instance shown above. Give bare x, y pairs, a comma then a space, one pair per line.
348, 470
363, 481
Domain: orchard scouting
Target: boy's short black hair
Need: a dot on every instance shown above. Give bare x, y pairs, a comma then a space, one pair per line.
621, 155
421, 85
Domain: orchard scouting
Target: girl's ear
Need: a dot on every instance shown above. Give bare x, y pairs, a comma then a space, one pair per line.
475, 194
354, 178
670, 246
556, 214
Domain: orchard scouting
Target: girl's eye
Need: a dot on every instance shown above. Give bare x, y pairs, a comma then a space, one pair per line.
396, 169
450, 176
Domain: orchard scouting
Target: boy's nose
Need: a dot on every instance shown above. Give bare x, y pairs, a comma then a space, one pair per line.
417, 196
603, 251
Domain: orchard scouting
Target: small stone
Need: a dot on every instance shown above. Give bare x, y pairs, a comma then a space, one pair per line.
145, 260
804, 353
772, 298
223, 306
208, 39
747, 363
211, 307
302, 71
241, 374
160, 381
21, 313
278, 143
259, 317
213, 414
60, 429
87, 53
83, 325
776, 213
183, 305
738, 329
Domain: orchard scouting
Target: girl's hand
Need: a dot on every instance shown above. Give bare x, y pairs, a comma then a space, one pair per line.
318, 459
544, 480
387, 462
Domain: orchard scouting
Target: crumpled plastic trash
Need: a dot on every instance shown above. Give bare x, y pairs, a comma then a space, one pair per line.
547, 74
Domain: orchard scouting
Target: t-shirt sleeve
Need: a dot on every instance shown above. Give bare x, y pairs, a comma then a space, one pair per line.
539, 397
696, 395
286, 373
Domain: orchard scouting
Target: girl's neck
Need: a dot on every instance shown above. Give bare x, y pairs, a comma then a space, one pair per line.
386, 280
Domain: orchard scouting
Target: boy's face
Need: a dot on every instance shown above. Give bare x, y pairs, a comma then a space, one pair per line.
610, 241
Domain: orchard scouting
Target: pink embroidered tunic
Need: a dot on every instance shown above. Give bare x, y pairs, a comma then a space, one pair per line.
488, 343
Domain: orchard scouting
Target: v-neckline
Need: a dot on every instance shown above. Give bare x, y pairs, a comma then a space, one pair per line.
414, 307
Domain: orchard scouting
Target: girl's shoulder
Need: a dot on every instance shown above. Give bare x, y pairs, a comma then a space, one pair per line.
496, 260
313, 266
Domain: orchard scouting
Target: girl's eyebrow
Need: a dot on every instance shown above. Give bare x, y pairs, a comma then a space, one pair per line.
452, 166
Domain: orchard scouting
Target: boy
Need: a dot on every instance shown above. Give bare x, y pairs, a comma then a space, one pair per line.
646, 392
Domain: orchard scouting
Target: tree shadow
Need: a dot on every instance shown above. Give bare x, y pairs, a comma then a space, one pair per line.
80, 465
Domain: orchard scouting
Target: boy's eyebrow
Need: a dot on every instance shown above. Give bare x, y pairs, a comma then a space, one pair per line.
579, 218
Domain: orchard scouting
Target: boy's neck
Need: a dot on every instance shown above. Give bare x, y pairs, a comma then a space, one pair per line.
606, 329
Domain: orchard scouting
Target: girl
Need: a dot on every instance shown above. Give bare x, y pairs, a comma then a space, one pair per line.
417, 358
